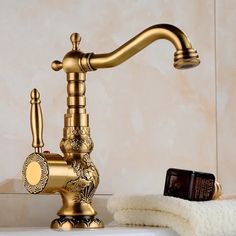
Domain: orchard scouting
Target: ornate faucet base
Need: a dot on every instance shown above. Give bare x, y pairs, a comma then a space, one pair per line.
69, 223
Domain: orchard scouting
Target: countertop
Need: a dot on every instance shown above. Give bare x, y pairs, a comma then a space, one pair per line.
25, 214
113, 231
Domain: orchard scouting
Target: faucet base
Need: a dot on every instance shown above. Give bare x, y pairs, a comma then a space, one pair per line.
69, 223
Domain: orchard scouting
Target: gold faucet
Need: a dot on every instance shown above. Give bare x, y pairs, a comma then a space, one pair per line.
74, 175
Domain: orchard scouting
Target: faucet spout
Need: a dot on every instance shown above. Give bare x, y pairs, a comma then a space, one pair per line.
185, 56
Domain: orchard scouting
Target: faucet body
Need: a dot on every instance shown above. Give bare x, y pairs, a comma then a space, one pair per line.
74, 175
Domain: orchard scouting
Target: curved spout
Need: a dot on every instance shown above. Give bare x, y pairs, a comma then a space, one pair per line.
185, 56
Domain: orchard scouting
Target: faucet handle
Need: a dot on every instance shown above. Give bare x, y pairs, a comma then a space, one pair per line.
75, 40
36, 121
56, 65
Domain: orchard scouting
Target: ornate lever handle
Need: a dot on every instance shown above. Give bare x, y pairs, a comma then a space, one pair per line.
36, 121
75, 40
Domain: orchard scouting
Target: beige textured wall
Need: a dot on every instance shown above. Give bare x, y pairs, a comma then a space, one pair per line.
145, 116
226, 93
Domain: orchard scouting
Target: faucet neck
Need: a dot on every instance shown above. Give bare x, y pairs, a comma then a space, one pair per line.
76, 100
76, 141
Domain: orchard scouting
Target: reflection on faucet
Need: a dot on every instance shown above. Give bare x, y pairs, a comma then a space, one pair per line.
74, 175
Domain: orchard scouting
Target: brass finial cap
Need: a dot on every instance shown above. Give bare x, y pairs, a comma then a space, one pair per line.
34, 94
56, 65
75, 40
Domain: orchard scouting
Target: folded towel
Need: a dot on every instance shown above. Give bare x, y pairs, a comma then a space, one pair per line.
187, 218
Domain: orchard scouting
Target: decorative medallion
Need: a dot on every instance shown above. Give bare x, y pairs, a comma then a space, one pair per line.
37, 188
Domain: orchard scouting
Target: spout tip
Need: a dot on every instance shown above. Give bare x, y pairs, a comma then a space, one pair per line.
187, 58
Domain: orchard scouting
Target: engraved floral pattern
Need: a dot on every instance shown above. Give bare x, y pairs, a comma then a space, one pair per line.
80, 137
78, 222
88, 179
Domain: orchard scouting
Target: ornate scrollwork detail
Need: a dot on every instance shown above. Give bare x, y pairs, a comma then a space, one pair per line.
85, 185
37, 188
80, 139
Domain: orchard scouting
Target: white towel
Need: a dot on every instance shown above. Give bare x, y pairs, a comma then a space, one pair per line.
187, 218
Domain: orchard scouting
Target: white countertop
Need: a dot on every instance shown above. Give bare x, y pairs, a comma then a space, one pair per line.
27, 214
113, 231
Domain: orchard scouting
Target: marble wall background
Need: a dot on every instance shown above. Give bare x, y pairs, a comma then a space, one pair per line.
145, 116
226, 87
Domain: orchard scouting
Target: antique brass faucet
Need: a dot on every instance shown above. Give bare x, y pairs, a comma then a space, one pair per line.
74, 175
